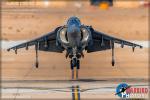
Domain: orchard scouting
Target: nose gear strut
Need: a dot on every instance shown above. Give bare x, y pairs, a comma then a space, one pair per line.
75, 65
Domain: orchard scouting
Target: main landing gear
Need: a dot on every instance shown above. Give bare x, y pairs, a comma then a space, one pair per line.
75, 66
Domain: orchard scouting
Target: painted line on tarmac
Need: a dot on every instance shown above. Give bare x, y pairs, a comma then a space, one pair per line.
75, 93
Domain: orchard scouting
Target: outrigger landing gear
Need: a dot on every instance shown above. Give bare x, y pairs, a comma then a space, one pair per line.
37, 65
113, 59
36, 61
75, 66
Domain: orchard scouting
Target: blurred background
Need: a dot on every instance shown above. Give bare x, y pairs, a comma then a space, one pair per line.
76, 3
111, 16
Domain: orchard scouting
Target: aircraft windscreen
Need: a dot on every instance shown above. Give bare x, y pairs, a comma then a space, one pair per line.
74, 20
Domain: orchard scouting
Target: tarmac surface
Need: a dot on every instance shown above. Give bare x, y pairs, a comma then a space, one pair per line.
87, 89
52, 80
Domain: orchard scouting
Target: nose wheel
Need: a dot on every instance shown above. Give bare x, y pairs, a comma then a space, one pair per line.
75, 66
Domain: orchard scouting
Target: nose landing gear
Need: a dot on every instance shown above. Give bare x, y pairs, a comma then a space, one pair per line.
75, 66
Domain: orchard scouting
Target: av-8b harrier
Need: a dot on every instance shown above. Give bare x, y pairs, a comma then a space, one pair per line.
74, 37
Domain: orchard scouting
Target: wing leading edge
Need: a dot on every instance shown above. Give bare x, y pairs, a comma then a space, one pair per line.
101, 41
45, 43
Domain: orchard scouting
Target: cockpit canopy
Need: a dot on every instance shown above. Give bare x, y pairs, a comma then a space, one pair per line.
74, 20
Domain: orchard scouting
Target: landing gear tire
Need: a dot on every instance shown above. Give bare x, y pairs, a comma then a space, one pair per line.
78, 64
36, 64
71, 65
113, 63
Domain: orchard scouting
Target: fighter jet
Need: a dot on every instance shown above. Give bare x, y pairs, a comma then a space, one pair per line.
74, 38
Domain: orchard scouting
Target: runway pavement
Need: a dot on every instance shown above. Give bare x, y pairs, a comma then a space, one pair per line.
82, 89
97, 78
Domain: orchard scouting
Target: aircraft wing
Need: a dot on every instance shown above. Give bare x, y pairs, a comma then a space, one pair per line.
103, 41
45, 43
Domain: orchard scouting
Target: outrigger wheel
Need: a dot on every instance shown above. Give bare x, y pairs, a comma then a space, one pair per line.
75, 65
36, 64
113, 62
36, 51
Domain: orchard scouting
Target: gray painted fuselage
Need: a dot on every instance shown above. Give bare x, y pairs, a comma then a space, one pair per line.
74, 37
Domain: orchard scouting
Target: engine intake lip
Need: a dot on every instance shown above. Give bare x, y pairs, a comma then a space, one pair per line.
62, 36
85, 33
